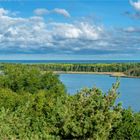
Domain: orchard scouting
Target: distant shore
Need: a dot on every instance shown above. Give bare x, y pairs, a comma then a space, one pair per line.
112, 74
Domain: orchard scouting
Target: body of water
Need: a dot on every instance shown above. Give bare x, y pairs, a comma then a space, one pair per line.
129, 87
68, 61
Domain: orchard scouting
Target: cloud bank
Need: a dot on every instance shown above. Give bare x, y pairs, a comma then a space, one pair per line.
36, 35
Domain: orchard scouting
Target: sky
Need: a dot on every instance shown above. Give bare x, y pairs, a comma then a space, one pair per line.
70, 29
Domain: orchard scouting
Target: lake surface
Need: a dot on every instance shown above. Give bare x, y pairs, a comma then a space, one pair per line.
129, 87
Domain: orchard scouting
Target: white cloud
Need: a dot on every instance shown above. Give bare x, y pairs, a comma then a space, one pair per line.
132, 29
3, 12
136, 5
61, 12
44, 11
81, 30
41, 11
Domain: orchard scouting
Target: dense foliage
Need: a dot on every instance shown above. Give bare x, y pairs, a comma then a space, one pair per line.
34, 105
133, 72
19, 78
129, 69
109, 67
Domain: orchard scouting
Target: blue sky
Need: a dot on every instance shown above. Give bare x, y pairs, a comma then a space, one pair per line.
69, 29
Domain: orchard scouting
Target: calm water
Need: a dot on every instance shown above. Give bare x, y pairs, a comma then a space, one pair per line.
129, 88
67, 61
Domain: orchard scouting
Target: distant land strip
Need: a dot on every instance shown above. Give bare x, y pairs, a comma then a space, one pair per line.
112, 74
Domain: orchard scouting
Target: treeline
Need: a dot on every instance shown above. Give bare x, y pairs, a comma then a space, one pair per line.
115, 67
133, 72
131, 69
34, 105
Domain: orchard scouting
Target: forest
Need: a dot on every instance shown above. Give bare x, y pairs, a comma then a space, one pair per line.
129, 69
35, 105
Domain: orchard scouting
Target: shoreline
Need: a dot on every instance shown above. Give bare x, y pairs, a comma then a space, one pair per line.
111, 74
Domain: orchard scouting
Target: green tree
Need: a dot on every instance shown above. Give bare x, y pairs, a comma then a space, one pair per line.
20, 78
